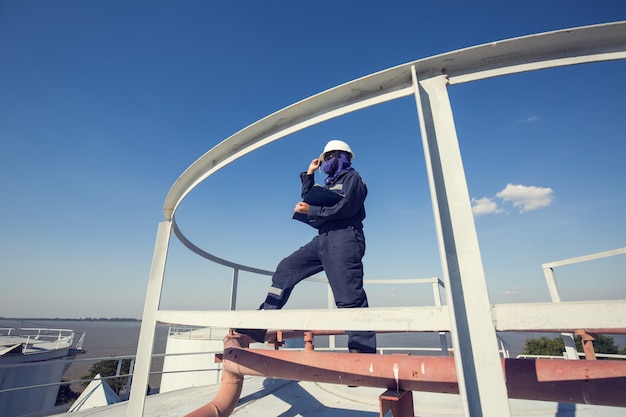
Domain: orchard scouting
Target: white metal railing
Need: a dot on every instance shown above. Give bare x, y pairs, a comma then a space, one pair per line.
32, 337
581, 354
468, 313
548, 271
548, 268
38, 333
435, 283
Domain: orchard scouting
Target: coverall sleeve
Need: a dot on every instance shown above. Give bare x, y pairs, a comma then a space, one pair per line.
308, 181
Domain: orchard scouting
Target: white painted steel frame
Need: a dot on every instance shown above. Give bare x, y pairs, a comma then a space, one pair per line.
526, 317
141, 372
477, 359
426, 79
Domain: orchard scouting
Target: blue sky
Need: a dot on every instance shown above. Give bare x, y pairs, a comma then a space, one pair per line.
103, 104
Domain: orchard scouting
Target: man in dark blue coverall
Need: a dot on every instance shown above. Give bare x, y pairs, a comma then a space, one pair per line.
338, 248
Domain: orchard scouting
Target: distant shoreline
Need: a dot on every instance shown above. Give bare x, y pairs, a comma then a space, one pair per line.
67, 319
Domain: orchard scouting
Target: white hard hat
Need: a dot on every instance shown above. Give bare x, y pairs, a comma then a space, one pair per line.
337, 145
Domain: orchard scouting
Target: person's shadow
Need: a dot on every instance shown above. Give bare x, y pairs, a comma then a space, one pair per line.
302, 403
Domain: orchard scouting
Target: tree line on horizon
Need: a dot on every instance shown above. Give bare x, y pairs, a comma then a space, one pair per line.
555, 347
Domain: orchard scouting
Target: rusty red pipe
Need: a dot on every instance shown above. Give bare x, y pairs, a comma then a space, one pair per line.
586, 382
343, 368
230, 389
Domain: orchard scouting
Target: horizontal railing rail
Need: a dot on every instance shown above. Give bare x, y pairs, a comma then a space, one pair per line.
548, 268
580, 354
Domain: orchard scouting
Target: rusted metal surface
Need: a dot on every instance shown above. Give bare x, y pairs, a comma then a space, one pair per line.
586, 382
415, 373
587, 342
582, 382
230, 389
400, 403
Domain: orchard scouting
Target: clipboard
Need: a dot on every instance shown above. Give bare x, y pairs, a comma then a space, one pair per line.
318, 196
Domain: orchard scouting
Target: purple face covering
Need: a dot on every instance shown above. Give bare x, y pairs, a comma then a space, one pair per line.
336, 166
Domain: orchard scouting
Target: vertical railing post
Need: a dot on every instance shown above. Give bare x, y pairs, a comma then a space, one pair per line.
233, 289
330, 299
477, 358
118, 371
552, 287
443, 338
141, 373
568, 338
129, 379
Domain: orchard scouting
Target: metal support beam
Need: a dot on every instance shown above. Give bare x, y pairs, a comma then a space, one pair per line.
481, 380
141, 372
568, 338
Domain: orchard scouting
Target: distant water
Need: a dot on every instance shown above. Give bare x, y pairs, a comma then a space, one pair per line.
120, 338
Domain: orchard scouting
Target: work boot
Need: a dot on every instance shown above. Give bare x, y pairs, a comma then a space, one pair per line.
257, 335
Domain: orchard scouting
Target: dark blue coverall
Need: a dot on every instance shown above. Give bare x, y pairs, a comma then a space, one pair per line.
337, 249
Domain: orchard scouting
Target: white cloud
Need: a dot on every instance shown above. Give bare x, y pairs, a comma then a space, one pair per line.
531, 119
527, 198
484, 205
512, 292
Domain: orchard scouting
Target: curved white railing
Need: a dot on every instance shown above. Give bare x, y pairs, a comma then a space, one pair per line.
547, 50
